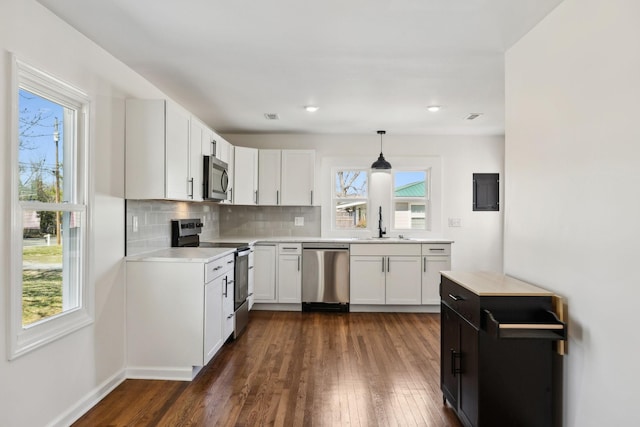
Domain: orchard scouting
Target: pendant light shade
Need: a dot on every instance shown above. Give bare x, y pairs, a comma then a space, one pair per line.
381, 163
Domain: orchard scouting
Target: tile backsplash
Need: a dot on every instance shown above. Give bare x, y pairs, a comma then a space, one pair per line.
269, 221
153, 222
154, 217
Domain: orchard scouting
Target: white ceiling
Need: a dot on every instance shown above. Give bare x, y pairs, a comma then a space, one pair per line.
368, 64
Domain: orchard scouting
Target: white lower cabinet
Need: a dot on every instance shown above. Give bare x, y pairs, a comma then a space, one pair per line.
403, 280
265, 266
212, 318
290, 273
252, 279
367, 281
436, 257
176, 319
385, 274
227, 305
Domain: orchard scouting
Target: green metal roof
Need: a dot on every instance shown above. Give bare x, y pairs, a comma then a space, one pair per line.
414, 189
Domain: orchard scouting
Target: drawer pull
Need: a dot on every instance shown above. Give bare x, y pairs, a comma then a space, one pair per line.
230, 262
436, 249
285, 248
217, 268
456, 297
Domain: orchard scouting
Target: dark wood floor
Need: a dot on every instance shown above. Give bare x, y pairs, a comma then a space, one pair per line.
300, 369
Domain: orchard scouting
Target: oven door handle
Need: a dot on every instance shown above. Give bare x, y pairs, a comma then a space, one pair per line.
245, 252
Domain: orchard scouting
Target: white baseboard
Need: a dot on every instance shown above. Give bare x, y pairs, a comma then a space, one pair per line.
89, 401
276, 307
358, 308
162, 373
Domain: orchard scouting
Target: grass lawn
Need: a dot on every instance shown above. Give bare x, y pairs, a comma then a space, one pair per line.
41, 288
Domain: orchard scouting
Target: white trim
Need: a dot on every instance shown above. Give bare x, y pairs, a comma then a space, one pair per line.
359, 308
162, 373
21, 339
83, 406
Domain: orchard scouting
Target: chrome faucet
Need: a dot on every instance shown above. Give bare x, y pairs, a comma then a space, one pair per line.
381, 231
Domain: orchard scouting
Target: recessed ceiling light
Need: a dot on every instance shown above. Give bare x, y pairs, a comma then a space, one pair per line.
311, 108
271, 116
433, 108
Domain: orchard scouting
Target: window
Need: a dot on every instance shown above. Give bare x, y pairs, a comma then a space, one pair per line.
49, 292
410, 200
350, 193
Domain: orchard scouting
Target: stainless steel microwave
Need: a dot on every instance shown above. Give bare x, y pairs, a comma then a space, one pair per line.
216, 179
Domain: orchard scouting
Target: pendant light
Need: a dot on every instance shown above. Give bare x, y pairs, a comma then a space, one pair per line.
381, 163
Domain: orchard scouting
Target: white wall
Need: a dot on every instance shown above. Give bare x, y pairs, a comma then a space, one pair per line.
573, 193
478, 243
40, 387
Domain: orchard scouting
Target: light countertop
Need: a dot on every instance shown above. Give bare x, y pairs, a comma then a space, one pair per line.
182, 255
484, 283
291, 239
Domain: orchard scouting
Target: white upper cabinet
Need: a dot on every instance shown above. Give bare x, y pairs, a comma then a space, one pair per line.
269, 167
208, 142
298, 177
200, 133
222, 148
159, 152
245, 176
179, 181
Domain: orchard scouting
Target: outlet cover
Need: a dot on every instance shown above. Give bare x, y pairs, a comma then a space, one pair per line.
455, 222
299, 221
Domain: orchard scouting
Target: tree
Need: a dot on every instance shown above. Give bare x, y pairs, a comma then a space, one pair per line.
348, 184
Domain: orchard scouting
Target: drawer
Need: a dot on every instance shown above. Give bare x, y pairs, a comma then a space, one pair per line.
290, 249
217, 267
461, 300
436, 249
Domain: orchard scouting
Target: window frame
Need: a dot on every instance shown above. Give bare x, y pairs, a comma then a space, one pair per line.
24, 339
426, 200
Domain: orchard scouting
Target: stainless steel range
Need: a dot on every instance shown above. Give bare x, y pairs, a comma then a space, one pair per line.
186, 233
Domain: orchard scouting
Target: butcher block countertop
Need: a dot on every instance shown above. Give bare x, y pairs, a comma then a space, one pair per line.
485, 283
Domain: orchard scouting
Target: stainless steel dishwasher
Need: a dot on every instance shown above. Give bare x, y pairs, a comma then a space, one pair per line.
325, 276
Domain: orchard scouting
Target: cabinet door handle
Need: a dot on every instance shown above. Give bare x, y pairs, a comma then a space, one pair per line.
311, 197
226, 282
277, 197
298, 262
424, 264
231, 195
251, 267
255, 193
383, 264
190, 182
455, 356
456, 297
